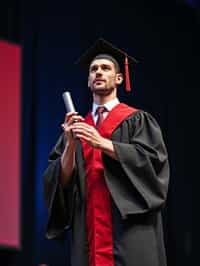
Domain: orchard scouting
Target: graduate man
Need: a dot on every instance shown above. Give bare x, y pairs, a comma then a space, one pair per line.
109, 184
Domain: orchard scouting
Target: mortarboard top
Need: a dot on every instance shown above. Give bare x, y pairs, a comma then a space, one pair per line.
103, 47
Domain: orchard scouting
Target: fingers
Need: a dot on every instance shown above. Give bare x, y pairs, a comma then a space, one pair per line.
83, 126
69, 116
82, 136
83, 130
72, 117
66, 128
88, 133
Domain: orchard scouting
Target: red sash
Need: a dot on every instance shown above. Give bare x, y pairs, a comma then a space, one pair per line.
98, 212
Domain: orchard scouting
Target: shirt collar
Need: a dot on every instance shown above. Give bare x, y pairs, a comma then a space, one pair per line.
109, 105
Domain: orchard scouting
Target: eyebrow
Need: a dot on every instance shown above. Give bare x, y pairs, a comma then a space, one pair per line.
102, 65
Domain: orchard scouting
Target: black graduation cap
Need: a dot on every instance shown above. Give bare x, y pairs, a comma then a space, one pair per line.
104, 49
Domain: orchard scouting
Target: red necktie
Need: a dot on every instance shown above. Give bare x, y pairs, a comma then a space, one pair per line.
100, 110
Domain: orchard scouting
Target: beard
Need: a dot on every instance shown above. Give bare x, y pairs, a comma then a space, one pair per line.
102, 91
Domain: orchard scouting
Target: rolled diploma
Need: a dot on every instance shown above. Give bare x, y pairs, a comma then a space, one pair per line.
69, 105
68, 102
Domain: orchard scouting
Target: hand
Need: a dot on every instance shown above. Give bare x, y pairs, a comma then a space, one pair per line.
88, 133
70, 119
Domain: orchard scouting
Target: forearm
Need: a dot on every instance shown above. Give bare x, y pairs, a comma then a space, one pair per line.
107, 147
67, 164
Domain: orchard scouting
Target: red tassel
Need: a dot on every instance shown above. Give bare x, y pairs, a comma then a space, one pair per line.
127, 77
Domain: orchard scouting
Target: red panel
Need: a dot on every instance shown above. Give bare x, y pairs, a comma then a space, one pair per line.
10, 74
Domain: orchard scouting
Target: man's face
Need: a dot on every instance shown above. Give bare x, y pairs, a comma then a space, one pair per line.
103, 79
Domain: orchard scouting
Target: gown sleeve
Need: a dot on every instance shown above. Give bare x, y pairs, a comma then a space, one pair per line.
59, 201
138, 181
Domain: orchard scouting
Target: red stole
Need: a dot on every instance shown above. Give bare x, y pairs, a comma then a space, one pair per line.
98, 211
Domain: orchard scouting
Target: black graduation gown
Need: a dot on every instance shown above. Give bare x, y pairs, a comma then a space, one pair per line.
138, 184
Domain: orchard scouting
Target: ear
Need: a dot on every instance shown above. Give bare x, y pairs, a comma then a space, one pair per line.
119, 78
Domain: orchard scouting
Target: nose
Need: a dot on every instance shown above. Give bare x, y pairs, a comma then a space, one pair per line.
98, 71
98, 74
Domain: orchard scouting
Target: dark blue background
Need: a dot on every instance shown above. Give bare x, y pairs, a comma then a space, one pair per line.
164, 37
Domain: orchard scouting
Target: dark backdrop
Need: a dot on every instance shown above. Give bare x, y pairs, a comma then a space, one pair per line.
164, 37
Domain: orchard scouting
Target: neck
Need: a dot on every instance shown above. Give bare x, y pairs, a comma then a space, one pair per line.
102, 99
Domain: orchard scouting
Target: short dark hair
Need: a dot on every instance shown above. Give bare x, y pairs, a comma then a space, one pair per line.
110, 58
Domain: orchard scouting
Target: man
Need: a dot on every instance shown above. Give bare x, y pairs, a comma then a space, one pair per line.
109, 183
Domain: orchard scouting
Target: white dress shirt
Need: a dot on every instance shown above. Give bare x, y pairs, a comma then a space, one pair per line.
109, 106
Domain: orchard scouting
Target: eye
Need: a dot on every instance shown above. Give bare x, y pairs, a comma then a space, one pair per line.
106, 67
93, 69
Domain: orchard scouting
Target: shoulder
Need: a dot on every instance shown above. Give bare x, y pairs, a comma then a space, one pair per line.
141, 118
139, 114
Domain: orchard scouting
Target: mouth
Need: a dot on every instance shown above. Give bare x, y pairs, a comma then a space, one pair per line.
98, 81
